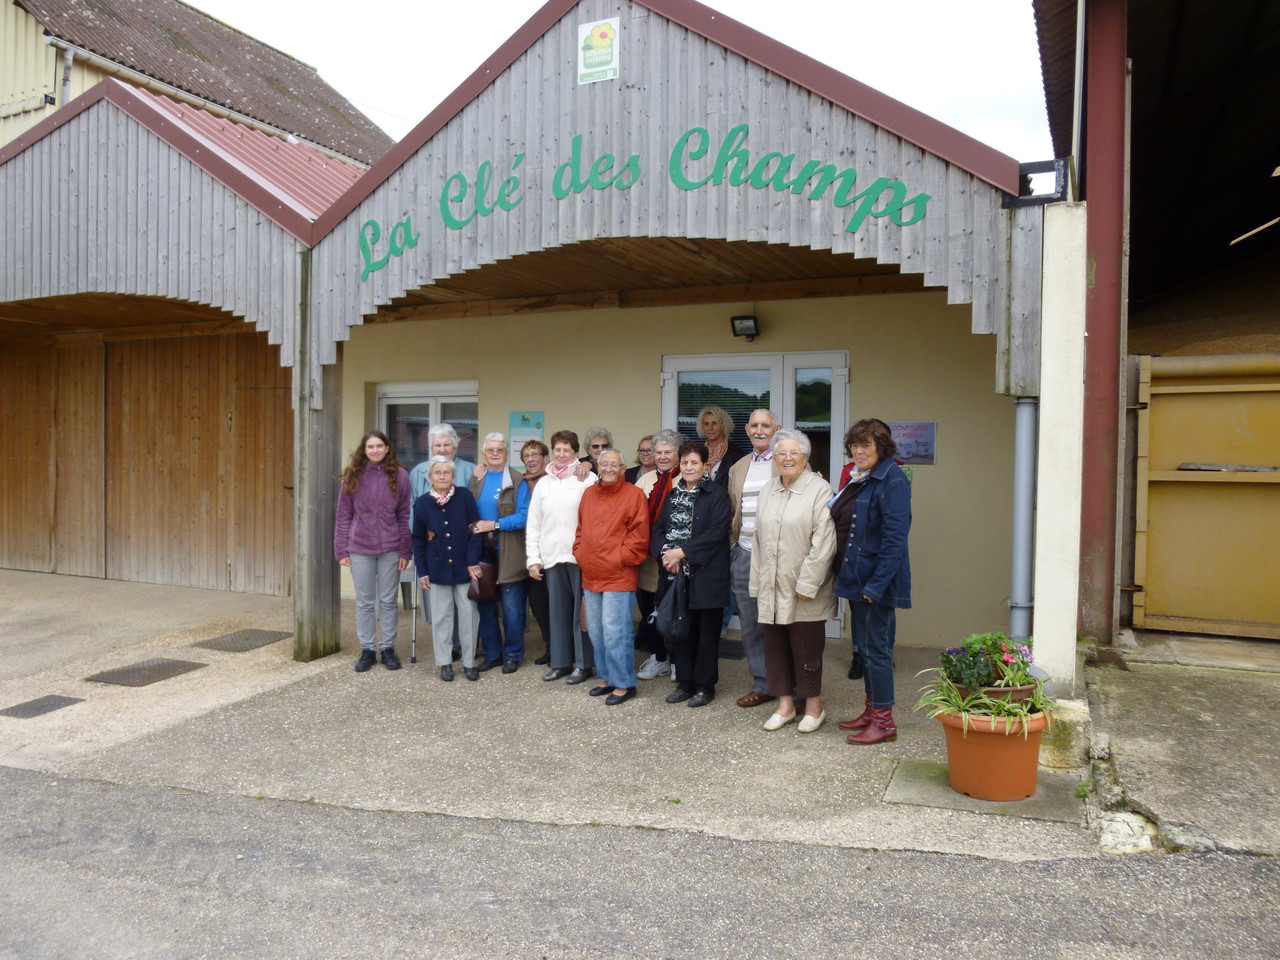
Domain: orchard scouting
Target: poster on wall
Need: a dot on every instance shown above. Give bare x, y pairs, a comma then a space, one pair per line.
598, 50
916, 441
523, 426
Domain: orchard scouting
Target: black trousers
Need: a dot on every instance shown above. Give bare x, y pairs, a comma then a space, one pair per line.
697, 657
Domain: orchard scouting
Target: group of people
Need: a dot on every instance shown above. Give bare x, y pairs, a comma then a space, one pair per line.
585, 540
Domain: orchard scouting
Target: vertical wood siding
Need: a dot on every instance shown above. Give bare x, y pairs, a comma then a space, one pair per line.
199, 454
79, 527
109, 207
28, 379
672, 80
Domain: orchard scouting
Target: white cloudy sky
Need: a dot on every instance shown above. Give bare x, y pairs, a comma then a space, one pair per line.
970, 63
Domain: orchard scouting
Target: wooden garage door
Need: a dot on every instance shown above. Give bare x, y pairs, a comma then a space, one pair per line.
199, 464
1208, 495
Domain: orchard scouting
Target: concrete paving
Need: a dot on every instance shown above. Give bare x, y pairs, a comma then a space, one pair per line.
513, 748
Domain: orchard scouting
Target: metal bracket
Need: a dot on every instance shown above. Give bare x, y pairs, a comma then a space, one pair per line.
1058, 167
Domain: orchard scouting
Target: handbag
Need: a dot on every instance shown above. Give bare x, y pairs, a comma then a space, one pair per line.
671, 615
485, 590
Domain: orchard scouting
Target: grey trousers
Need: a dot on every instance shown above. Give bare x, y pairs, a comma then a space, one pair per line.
569, 646
752, 637
377, 581
445, 599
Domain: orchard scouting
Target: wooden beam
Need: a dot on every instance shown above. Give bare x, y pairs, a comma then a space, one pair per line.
317, 411
662, 297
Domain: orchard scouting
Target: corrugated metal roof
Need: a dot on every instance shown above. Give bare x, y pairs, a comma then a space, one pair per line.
306, 179
291, 183
188, 49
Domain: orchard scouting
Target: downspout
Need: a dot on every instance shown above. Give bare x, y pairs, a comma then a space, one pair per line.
136, 79
68, 56
1021, 603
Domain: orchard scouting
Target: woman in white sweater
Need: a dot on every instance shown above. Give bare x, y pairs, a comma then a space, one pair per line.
549, 535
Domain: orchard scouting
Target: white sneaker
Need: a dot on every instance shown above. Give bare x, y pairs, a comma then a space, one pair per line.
673, 674
809, 724
652, 668
778, 721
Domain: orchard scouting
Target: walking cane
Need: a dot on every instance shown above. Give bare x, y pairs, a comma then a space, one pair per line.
413, 643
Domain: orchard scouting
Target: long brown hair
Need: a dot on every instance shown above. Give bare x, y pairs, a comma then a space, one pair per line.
359, 460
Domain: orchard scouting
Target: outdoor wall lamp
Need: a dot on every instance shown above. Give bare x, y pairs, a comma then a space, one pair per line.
745, 326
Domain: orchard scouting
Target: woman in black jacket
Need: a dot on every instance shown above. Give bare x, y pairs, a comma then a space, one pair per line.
692, 532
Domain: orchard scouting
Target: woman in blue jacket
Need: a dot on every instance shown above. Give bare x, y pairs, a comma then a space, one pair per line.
875, 574
447, 555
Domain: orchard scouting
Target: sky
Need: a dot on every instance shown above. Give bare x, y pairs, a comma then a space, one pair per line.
973, 65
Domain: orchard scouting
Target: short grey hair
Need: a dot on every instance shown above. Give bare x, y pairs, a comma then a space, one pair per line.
437, 460
592, 432
798, 436
622, 461
772, 416
494, 437
443, 430
667, 438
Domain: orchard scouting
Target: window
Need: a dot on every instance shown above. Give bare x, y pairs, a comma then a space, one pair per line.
406, 411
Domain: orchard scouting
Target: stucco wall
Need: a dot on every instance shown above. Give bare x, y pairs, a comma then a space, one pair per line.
912, 358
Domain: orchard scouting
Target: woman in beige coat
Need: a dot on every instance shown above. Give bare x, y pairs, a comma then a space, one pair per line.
791, 580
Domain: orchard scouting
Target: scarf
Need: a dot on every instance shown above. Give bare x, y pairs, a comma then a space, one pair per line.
658, 494
562, 472
716, 451
680, 519
441, 498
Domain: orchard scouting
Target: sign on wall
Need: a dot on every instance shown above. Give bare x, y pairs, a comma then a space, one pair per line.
523, 426
598, 50
916, 441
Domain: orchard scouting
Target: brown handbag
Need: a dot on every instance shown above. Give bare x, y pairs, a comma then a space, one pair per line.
485, 590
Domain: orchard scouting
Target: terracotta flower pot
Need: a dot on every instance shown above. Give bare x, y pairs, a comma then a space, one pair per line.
1002, 693
987, 763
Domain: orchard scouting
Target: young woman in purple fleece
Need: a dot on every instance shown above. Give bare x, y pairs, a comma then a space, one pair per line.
371, 536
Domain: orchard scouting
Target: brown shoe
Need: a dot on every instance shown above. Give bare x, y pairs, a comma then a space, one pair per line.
882, 728
754, 699
858, 723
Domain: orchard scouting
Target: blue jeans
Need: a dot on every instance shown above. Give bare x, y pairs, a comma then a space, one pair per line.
875, 628
609, 623
507, 643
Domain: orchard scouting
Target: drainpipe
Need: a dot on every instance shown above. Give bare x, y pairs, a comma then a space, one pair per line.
1026, 423
136, 79
68, 55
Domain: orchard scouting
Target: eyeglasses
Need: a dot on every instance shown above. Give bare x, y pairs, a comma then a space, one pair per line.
644, 450
599, 446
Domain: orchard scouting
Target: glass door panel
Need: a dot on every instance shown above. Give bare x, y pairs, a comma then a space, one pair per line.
463, 416
737, 391
406, 423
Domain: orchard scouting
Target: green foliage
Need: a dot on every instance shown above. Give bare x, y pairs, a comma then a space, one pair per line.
988, 660
942, 696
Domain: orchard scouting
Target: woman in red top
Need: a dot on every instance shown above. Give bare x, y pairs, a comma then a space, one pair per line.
611, 542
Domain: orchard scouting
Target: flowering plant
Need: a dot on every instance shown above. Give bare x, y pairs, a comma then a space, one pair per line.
988, 660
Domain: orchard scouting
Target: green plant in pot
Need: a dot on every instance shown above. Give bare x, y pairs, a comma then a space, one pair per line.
993, 711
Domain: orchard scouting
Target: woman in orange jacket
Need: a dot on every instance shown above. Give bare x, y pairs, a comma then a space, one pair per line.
611, 542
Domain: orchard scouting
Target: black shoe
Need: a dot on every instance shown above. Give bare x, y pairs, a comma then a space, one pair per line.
389, 658
679, 696
473, 673
446, 672
511, 666
367, 659
613, 699
486, 664
701, 699
855, 668
543, 660
555, 673
601, 690
579, 675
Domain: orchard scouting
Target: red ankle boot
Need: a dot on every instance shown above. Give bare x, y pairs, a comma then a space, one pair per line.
859, 723
881, 729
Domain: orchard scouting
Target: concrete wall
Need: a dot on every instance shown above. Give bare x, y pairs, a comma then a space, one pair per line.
912, 357
1235, 311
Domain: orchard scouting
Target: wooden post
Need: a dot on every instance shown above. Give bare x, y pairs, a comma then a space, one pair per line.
317, 425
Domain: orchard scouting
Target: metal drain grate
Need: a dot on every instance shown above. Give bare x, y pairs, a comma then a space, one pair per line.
147, 671
243, 640
38, 706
